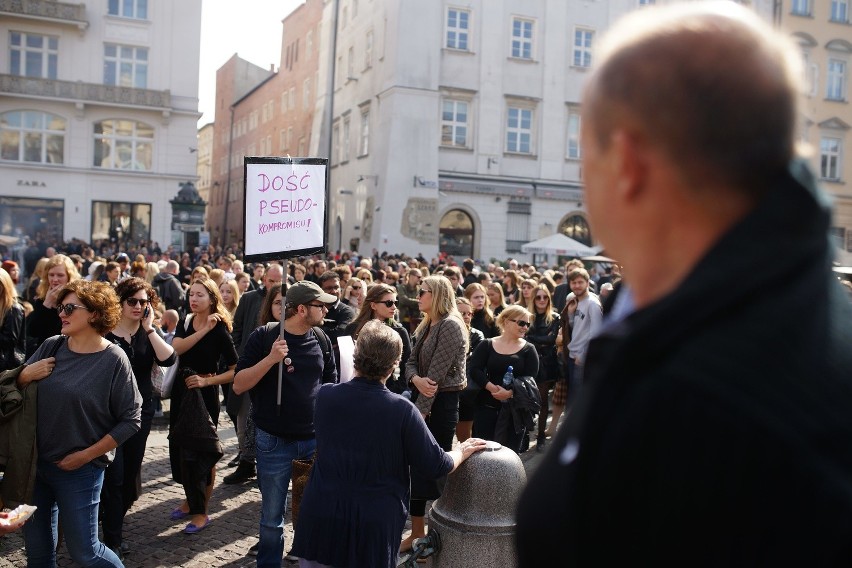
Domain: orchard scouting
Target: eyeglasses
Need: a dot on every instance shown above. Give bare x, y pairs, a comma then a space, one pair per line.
422, 291
521, 323
133, 302
69, 308
356, 287
317, 306
389, 303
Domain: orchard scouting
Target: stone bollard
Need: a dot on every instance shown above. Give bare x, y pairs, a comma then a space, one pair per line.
475, 515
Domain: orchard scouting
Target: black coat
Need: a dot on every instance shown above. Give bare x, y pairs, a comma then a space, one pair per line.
715, 428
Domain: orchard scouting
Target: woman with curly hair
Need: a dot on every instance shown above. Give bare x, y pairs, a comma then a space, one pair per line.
381, 304
200, 343
44, 322
88, 405
146, 348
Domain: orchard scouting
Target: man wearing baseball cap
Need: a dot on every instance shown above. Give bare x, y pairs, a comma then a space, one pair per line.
284, 415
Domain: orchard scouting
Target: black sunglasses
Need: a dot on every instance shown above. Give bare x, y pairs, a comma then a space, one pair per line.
389, 303
422, 291
69, 308
522, 323
133, 302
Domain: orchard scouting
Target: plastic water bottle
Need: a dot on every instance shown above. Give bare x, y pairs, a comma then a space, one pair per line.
509, 380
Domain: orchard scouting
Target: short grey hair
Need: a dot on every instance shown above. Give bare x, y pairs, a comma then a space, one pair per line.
377, 351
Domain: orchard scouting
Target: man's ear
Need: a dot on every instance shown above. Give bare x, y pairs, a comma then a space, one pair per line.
630, 164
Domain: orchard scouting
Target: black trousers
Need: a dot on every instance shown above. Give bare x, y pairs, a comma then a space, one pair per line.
442, 422
122, 479
485, 424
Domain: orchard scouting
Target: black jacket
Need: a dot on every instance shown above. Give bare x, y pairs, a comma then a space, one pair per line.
12, 339
715, 428
543, 336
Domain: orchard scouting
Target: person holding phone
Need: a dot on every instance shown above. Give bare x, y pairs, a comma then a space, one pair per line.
146, 347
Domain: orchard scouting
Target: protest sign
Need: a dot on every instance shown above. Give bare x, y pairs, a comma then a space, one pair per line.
285, 207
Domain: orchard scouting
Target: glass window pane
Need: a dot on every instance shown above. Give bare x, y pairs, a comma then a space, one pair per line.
113, 7
15, 63
33, 120
34, 40
15, 38
141, 81
103, 154
141, 54
126, 52
109, 73
32, 147
33, 59
10, 141
142, 9
144, 131
55, 149
144, 152
51, 66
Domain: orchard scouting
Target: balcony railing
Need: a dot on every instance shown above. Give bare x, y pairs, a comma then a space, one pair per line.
77, 91
61, 12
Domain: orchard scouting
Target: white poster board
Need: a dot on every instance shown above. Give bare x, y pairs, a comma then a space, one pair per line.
347, 358
285, 212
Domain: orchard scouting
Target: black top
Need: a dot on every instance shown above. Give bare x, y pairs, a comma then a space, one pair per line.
486, 365
477, 321
714, 427
12, 348
142, 358
301, 380
203, 358
43, 322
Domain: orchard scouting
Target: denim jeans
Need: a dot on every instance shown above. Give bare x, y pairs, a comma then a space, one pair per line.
274, 465
73, 497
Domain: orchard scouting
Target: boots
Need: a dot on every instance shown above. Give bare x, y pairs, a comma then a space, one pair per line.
244, 472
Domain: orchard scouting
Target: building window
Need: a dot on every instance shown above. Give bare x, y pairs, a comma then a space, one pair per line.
283, 102
350, 64
801, 8
309, 44
647, 2
282, 140
458, 29
830, 155
124, 145
835, 87
306, 94
519, 123
840, 11
454, 123
335, 145
31, 136
289, 136
583, 47
291, 98
517, 225
368, 50
33, 55
456, 233
120, 221
137, 9
522, 38
576, 227
364, 138
301, 147
572, 151
346, 144
126, 66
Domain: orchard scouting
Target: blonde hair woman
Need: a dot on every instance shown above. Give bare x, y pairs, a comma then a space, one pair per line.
151, 270
12, 348
199, 344
436, 371
44, 322
356, 291
230, 292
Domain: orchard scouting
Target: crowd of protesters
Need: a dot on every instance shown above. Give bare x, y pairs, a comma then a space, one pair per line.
216, 312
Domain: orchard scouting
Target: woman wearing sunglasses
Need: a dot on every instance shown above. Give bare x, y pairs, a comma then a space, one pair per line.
356, 290
542, 334
489, 363
436, 370
144, 345
200, 344
381, 304
88, 404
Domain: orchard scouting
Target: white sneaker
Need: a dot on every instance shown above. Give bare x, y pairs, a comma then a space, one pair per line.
291, 558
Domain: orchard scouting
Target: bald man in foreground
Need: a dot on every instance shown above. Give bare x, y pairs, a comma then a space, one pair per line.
716, 425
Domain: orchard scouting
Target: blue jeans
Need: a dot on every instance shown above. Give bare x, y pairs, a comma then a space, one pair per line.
274, 465
73, 497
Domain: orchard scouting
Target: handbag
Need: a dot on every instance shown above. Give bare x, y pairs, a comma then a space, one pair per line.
301, 474
168, 374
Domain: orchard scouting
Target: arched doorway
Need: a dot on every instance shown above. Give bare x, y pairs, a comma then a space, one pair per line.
576, 227
456, 234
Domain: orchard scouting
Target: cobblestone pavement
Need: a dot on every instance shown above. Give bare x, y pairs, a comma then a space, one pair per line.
157, 542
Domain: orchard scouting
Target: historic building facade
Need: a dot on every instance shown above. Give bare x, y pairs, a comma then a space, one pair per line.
97, 116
